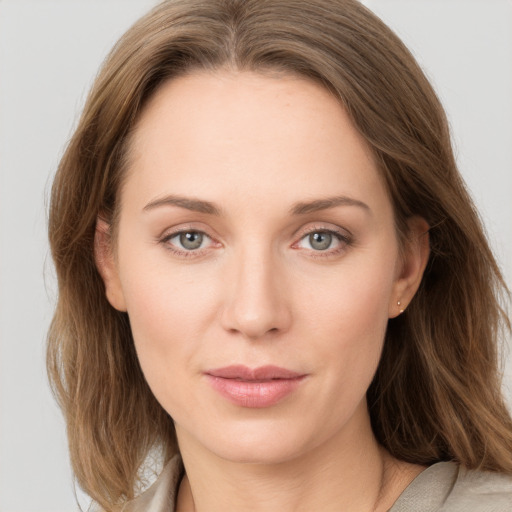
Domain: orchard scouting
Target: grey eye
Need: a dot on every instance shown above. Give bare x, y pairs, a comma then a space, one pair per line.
191, 240
320, 241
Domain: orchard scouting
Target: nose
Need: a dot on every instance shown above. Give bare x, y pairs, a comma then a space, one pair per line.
257, 302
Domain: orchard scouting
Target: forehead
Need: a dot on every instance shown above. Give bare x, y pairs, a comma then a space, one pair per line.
251, 134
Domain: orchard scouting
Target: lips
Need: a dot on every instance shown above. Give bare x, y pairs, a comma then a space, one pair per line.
254, 387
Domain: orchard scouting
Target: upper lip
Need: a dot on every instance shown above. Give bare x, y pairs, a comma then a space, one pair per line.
245, 373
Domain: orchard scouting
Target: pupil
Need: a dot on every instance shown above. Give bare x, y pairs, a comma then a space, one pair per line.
191, 240
320, 241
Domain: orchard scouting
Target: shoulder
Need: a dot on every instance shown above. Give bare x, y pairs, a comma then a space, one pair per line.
161, 496
447, 487
481, 491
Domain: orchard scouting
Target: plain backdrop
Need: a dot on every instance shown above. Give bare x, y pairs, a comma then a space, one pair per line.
49, 53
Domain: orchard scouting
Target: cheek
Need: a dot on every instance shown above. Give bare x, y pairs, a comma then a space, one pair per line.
339, 321
354, 298
169, 314
163, 299
347, 322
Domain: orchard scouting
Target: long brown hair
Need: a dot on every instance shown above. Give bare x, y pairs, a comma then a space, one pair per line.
436, 395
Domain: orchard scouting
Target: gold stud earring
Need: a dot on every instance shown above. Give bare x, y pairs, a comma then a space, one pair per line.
399, 305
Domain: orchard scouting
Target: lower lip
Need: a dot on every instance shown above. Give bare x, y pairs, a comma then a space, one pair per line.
254, 394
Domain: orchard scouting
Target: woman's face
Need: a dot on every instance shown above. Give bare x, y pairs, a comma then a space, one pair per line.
258, 262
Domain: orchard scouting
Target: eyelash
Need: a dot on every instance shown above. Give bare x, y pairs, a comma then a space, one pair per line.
165, 240
344, 239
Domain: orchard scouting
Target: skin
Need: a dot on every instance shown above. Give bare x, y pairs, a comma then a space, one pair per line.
259, 290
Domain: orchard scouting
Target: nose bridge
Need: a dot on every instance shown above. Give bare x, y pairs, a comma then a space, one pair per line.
256, 304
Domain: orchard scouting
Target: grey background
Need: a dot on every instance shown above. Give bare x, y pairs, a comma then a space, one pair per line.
49, 53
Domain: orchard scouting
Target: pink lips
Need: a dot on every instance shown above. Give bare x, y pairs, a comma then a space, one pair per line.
254, 388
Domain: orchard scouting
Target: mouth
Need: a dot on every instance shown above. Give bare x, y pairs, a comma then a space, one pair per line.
254, 387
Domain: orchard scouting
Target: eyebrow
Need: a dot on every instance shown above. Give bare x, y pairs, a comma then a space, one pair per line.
301, 208
325, 204
195, 205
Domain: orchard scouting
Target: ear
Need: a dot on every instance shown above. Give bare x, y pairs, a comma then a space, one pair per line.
106, 265
415, 254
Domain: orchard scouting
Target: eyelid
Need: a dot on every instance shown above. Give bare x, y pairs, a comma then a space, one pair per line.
343, 235
170, 233
185, 228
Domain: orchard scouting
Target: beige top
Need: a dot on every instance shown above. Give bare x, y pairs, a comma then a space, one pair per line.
443, 487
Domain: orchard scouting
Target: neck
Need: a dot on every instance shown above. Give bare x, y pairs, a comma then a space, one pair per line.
349, 471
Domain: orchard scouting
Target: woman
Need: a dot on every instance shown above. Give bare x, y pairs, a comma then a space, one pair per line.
271, 273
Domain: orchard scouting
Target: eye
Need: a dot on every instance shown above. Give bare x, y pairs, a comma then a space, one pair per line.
320, 240
323, 241
188, 240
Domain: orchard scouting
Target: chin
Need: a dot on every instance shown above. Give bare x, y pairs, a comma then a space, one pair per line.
269, 454
264, 442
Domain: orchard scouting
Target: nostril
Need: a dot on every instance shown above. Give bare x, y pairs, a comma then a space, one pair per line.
254, 305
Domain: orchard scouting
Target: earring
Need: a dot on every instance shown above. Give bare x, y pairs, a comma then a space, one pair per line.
399, 304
